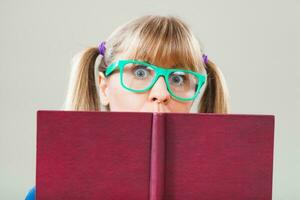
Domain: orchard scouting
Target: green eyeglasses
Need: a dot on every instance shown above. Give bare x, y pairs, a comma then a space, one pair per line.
139, 76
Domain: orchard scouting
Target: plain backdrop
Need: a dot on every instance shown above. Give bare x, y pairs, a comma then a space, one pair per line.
255, 44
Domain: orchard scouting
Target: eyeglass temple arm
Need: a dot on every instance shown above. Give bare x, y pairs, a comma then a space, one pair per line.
111, 68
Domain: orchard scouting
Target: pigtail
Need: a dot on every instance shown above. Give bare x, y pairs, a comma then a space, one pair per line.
215, 96
83, 91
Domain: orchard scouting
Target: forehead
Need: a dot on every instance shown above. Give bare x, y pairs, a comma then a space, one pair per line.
163, 62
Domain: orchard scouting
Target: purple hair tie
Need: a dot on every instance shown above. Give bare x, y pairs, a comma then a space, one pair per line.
102, 48
205, 59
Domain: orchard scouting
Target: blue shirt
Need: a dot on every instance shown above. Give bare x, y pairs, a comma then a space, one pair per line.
31, 194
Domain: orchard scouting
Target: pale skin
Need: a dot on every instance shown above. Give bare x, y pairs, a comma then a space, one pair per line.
157, 99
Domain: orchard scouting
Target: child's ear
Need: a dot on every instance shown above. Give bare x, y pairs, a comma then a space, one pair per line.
103, 89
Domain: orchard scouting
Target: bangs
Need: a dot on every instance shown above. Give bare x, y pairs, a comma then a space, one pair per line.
163, 41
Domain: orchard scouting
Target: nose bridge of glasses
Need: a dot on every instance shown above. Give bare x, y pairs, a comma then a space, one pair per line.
160, 71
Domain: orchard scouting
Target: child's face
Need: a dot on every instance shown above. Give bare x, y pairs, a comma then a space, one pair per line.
157, 99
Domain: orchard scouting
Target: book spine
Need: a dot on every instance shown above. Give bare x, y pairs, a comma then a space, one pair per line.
157, 165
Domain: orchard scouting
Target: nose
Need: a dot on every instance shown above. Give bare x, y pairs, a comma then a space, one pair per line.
159, 92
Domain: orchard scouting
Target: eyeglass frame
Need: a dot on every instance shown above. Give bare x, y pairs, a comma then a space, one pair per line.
159, 71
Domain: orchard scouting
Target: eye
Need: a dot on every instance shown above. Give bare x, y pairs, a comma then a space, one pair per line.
141, 71
177, 78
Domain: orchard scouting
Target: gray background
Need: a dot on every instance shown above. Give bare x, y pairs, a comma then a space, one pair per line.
255, 43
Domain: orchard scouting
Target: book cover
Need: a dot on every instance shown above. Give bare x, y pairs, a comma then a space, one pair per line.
156, 156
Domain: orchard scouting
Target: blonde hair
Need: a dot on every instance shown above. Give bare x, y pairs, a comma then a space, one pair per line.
151, 38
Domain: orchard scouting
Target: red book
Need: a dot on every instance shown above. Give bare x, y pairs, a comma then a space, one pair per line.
153, 156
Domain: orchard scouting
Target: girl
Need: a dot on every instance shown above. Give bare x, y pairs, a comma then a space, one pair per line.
150, 64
